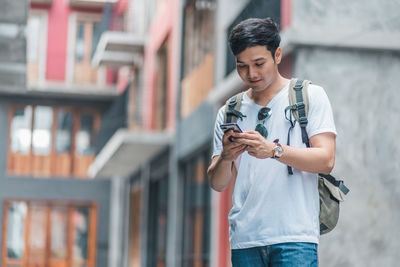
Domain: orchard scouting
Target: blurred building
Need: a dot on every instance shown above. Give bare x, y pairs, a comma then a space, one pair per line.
52, 105
110, 108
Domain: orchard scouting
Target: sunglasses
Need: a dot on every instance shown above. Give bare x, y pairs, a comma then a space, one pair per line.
262, 116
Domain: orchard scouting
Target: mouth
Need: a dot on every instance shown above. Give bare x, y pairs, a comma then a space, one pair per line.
254, 81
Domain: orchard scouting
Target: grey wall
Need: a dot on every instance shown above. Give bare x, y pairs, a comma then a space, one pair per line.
97, 191
363, 88
14, 11
13, 16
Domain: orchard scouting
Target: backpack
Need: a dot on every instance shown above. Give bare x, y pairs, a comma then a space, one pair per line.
331, 190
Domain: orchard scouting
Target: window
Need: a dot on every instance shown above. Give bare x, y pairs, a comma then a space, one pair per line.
161, 99
46, 140
196, 213
135, 100
15, 241
199, 32
198, 54
87, 35
134, 231
157, 231
49, 234
20, 130
41, 138
36, 46
63, 135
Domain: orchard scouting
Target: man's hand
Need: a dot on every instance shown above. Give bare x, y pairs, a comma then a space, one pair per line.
257, 145
231, 149
222, 169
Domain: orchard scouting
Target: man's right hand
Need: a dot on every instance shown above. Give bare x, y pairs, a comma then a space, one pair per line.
222, 168
231, 149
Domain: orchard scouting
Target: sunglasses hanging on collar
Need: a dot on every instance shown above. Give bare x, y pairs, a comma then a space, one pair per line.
262, 116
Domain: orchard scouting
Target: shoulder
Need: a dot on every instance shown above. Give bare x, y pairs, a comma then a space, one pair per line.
316, 93
221, 110
315, 89
318, 99
221, 114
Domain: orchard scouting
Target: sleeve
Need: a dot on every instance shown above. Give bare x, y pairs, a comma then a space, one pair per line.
320, 116
218, 133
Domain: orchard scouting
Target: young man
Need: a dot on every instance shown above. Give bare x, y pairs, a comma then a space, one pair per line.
274, 218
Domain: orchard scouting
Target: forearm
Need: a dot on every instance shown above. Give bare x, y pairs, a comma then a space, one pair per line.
315, 160
220, 173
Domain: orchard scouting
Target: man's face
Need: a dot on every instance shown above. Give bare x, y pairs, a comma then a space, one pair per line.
257, 67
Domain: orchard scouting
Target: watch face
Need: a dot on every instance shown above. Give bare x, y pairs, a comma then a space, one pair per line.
278, 151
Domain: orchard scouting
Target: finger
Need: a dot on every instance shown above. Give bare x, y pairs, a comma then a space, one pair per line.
240, 151
227, 135
253, 135
234, 144
246, 141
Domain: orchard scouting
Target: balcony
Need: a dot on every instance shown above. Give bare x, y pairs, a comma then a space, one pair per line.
42, 2
127, 151
117, 49
91, 3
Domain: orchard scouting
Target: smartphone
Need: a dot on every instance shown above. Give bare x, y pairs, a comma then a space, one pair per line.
232, 125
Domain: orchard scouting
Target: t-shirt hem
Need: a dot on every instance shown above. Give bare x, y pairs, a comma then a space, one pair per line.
273, 241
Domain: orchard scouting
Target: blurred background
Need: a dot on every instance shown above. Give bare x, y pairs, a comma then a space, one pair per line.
108, 109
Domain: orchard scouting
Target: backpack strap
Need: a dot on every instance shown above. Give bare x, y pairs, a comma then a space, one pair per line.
298, 101
232, 108
338, 183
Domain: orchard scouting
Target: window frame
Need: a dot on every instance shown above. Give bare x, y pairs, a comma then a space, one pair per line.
42, 50
198, 34
49, 205
162, 86
54, 157
190, 173
74, 18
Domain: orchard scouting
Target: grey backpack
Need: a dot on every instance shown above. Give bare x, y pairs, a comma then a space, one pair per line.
331, 190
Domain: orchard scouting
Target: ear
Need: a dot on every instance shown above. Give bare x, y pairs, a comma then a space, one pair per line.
278, 55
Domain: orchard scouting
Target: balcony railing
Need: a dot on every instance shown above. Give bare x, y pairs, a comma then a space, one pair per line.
91, 3
42, 2
118, 49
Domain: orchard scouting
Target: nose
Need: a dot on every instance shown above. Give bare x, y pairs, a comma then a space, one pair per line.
251, 74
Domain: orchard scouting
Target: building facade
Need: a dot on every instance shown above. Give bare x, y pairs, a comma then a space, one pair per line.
52, 104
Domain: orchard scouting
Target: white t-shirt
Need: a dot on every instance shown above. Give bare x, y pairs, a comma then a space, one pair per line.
269, 205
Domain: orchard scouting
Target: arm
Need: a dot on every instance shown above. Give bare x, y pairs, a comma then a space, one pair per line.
320, 158
222, 168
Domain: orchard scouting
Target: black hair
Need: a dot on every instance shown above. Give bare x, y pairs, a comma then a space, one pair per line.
254, 32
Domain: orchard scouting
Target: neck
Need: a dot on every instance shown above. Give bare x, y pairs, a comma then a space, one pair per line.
263, 97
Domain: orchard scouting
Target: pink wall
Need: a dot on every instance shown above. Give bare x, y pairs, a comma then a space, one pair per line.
164, 27
57, 40
286, 13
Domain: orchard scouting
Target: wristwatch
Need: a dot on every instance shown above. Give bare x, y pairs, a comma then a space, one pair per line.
278, 150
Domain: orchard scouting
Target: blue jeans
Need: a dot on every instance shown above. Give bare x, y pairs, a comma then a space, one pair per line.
296, 254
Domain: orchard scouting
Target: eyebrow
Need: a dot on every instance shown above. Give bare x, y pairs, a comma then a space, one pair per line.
255, 60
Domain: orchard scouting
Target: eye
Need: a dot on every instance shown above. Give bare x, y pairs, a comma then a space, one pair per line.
259, 64
241, 66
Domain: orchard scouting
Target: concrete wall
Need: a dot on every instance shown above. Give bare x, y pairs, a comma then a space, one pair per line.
363, 88
14, 11
13, 16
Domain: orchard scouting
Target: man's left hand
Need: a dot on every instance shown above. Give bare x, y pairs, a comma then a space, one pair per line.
257, 145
